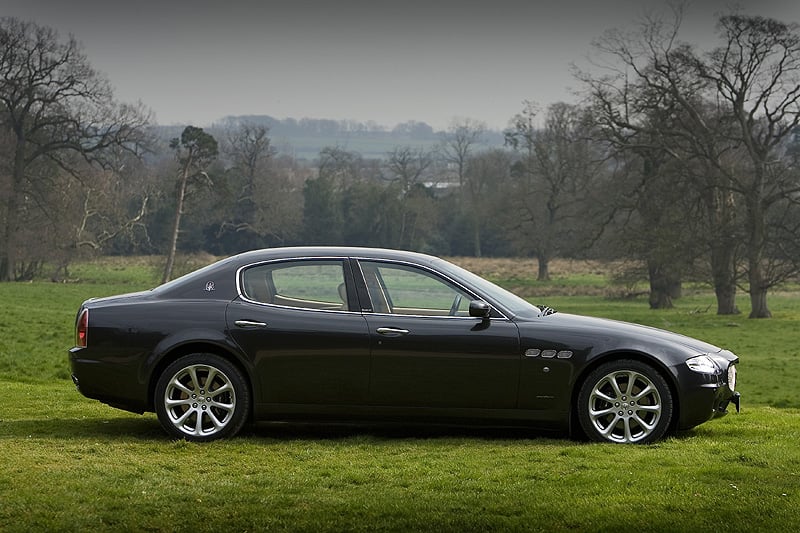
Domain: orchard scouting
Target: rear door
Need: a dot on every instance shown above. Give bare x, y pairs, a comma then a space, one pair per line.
299, 322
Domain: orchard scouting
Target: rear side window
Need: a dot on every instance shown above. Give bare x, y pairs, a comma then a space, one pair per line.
304, 284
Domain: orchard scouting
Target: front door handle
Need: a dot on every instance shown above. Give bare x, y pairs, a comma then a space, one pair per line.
392, 332
250, 324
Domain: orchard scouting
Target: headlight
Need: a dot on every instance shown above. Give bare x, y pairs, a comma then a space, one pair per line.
732, 378
703, 364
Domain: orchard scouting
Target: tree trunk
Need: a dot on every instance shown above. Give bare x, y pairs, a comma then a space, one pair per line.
723, 274
9, 259
544, 268
675, 288
661, 285
476, 236
758, 287
755, 253
12, 212
176, 225
758, 303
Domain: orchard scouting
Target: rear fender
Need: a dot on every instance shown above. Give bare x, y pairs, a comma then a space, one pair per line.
177, 342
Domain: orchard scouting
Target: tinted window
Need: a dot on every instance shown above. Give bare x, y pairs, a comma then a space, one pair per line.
507, 300
406, 290
306, 284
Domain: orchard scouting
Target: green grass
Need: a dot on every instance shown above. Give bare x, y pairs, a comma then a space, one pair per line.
72, 464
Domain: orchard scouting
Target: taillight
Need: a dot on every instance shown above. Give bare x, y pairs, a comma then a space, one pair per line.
82, 329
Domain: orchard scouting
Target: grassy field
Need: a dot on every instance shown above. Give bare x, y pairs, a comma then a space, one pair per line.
70, 464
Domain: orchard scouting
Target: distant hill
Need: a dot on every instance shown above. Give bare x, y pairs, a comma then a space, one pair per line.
306, 137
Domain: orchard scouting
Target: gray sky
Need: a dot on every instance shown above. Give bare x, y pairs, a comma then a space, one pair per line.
196, 61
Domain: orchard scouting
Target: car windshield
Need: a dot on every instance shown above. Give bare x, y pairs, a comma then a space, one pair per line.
507, 300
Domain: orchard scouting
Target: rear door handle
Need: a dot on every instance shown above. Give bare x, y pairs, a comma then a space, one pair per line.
250, 324
392, 332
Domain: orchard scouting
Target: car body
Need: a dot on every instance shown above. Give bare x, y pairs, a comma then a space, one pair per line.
362, 334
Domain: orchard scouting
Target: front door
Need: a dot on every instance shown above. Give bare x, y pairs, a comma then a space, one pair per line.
426, 349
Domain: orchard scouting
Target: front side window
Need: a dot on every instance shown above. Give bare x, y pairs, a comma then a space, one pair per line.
304, 284
406, 290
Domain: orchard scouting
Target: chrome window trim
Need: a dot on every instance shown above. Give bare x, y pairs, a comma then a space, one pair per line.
439, 274
342, 259
434, 317
277, 306
242, 296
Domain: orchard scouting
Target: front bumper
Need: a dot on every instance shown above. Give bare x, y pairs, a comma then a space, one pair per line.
708, 396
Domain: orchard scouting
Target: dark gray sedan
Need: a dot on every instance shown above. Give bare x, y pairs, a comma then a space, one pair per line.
362, 334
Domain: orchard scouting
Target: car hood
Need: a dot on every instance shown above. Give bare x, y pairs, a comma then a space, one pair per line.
614, 332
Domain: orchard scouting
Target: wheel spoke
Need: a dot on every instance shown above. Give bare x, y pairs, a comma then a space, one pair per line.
633, 379
222, 406
178, 421
647, 426
628, 434
223, 388
218, 424
615, 385
169, 402
180, 386
606, 431
192, 371
603, 396
212, 373
599, 413
198, 423
644, 392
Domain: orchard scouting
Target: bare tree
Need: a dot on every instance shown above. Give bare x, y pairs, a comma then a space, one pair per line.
194, 151
457, 148
756, 72
734, 109
267, 202
652, 100
106, 206
485, 189
53, 104
552, 178
408, 169
459, 143
342, 166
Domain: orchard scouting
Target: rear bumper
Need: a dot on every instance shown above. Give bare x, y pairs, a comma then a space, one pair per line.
105, 382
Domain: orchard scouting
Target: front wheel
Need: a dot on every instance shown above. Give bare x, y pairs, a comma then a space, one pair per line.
202, 397
625, 401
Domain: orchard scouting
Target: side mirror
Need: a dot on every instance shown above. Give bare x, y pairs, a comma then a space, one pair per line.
479, 309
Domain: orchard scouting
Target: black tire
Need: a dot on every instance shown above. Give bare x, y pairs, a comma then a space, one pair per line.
625, 402
187, 409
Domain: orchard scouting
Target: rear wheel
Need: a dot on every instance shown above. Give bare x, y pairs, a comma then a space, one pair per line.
202, 397
625, 401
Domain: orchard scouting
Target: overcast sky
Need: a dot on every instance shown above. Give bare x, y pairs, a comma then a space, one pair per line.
196, 61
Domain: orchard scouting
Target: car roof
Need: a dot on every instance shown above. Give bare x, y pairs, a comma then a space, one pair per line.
188, 286
268, 254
